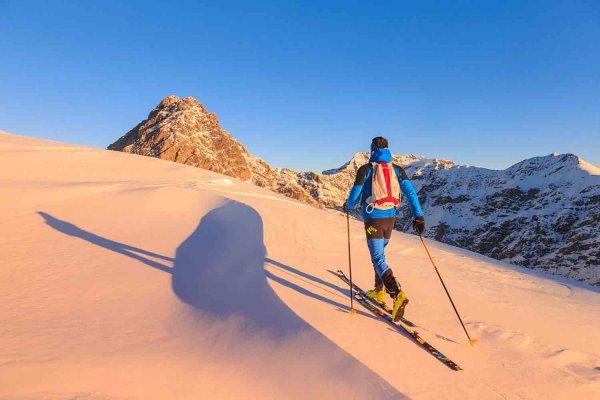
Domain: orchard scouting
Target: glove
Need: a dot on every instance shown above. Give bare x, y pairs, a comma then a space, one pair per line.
419, 225
345, 207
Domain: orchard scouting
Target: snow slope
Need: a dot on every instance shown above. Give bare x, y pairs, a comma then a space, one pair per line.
127, 277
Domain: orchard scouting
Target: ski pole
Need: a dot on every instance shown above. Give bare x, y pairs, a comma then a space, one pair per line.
471, 341
352, 310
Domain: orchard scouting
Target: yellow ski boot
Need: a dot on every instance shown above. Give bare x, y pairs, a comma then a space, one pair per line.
378, 295
400, 303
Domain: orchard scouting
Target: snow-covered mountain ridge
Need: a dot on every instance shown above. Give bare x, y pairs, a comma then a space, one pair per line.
541, 213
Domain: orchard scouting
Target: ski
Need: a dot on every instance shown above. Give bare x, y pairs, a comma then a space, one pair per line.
402, 328
381, 305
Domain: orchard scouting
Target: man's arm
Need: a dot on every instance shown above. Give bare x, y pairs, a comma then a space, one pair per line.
356, 191
409, 191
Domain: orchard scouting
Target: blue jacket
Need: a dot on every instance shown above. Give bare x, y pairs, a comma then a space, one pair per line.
362, 188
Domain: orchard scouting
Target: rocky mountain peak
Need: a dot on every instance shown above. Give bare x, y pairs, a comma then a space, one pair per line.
182, 130
167, 101
174, 108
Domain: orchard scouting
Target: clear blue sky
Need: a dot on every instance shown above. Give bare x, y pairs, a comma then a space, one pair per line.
306, 84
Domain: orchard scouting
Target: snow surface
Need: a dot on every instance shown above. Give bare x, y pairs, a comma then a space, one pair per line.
127, 277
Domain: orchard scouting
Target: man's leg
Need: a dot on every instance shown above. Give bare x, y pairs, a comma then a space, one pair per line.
378, 281
378, 234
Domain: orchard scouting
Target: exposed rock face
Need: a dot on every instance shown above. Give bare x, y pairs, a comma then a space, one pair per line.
181, 130
542, 213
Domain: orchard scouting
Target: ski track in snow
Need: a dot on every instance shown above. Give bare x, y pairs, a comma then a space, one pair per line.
169, 281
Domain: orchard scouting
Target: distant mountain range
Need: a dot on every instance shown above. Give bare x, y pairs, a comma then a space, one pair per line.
542, 213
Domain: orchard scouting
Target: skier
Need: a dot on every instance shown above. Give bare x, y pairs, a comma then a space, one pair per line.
377, 187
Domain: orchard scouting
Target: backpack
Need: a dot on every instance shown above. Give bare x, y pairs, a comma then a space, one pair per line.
385, 189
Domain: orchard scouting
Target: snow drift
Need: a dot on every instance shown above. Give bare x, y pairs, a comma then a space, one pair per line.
132, 277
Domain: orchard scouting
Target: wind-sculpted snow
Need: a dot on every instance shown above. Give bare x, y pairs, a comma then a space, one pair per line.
127, 277
219, 271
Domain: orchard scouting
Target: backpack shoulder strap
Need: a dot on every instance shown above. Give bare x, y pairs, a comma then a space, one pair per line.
373, 168
361, 174
400, 172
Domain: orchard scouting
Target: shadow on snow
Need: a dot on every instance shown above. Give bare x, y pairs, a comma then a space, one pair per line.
220, 270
